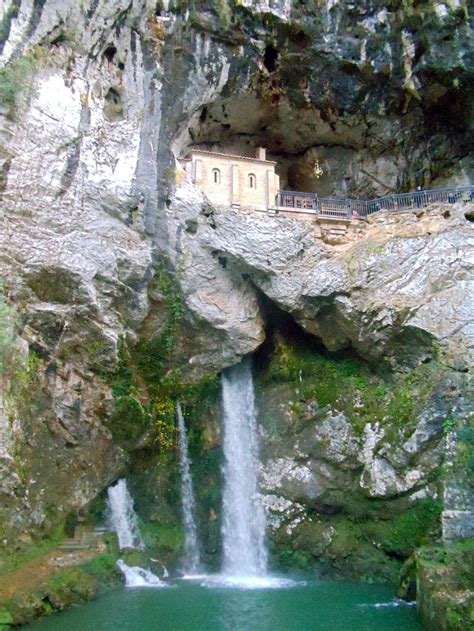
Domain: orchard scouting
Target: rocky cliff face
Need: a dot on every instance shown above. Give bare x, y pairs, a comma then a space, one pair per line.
106, 250
347, 442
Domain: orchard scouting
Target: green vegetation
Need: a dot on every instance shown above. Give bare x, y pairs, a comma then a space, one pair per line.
149, 382
407, 531
63, 588
102, 568
44, 587
465, 450
445, 585
8, 321
146, 383
347, 384
16, 77
291, 559
164, 542
364, 538
26, 384
17, 558
460, 552
5, 23
367, 549
224, 12
22, 372
145, 394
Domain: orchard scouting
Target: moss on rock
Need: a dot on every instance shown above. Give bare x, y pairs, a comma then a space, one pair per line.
348, 384
445, 586
52, 587
400, 536
307, 396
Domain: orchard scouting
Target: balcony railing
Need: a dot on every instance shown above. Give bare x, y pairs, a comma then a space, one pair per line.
300, 201
349, 208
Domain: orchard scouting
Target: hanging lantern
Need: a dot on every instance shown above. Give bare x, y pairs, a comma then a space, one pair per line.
317, 171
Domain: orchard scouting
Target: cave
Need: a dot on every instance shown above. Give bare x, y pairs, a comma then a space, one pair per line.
113, 108
366, 136
297, 141
357, 156
270, 58
109, 53
170, 322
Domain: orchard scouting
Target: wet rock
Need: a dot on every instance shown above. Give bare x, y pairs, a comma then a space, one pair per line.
93, 199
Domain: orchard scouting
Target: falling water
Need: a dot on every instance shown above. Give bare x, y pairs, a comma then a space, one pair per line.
122, 517
243, 528
192, 560
139, 577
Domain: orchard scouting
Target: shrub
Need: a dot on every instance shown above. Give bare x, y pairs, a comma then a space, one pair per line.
7, 333
129, 419
16, 77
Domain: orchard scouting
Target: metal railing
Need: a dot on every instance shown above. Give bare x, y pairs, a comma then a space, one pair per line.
349, 208
301, 201
334, 208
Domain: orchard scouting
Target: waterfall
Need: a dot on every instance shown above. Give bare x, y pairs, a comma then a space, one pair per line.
122, 517
139, 577
191, 546
243, 529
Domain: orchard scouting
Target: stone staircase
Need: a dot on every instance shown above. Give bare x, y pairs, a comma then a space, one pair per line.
338, 230
84, 539
334, 231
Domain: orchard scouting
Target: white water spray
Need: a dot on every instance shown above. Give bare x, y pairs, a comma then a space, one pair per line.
139, 577
122, 516
243, 529
191, 545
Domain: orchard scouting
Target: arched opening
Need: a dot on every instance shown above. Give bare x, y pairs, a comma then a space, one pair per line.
216, 176
252, 180
109, 53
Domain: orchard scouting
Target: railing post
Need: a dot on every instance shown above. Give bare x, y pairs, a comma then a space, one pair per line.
349, 208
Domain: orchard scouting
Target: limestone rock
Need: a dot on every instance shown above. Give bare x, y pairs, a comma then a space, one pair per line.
106, 97
395, 295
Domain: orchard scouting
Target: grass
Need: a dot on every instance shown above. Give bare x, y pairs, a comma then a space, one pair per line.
14, 560
36, 587
103, 568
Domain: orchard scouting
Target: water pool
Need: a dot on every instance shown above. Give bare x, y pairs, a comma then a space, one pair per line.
192, 606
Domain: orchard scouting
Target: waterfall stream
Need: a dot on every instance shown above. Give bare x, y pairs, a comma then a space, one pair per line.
191, 545
122, 516
139, 577
243, 529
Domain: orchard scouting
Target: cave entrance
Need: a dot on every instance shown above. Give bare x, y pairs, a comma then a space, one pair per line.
281, 329
240, 124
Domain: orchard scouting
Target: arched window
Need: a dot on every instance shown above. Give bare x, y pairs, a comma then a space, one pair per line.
216, 176
252, 180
